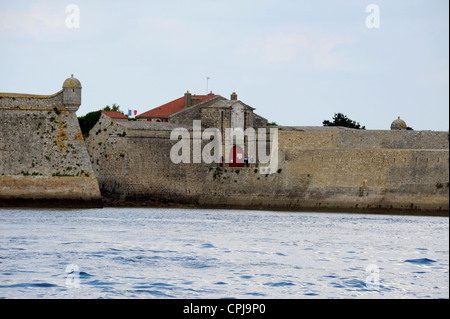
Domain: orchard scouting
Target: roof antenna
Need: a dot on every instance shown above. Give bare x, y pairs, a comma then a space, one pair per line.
207, 80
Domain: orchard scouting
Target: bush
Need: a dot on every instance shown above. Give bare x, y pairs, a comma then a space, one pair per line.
88, 121
340, 119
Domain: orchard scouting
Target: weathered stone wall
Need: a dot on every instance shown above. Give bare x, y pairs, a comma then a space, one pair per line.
318, 170
13, 101
215, 117
259, 121
192, 113
42, 153
220, 116
106, 146
334, 137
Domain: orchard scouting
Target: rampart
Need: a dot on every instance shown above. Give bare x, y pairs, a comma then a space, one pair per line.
43, 157
320, 169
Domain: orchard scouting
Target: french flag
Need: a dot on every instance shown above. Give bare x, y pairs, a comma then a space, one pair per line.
132, 113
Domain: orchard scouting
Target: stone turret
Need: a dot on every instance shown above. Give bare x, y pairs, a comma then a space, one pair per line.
398, 124
72, 94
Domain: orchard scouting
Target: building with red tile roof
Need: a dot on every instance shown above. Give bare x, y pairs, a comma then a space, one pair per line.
115, 115
211, 109
163, 112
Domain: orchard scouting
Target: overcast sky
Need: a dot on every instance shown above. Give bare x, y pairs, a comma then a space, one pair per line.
296, 62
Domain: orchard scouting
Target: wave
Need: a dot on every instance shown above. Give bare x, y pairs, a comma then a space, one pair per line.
420, 261
279, 284
30, 285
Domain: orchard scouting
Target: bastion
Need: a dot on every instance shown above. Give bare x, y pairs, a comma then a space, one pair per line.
43, 157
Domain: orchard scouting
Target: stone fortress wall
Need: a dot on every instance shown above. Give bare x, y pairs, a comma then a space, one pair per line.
43, 158
320, 168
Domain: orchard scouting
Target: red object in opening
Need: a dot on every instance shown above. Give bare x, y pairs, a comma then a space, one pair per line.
236, 157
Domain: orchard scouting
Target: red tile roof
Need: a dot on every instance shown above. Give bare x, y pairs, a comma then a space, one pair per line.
175, 106
114, 115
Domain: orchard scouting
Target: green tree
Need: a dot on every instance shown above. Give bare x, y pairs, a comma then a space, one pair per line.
88, 121
340, 119
114, 107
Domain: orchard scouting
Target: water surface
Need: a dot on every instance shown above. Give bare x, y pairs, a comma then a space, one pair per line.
189, 253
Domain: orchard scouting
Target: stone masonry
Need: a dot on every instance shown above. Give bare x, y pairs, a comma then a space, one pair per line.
44, 160
43, 157
320, 168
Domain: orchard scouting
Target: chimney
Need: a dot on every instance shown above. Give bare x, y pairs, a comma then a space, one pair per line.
234, 96
187, 100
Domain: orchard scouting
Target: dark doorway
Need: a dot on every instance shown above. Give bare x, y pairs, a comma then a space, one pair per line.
236, 157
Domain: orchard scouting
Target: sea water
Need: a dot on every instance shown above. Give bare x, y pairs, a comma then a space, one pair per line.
193, 253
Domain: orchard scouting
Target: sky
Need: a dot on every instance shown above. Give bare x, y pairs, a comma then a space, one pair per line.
297, 62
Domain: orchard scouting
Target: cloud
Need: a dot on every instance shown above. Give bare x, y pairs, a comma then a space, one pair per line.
173, 33
40, 19
299, 47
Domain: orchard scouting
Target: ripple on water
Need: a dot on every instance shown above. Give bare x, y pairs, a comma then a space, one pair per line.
420, 261
178, 253
156, 293
208, 245
279, 284
30, 285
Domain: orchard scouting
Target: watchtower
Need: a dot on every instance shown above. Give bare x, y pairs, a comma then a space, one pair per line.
72, 94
